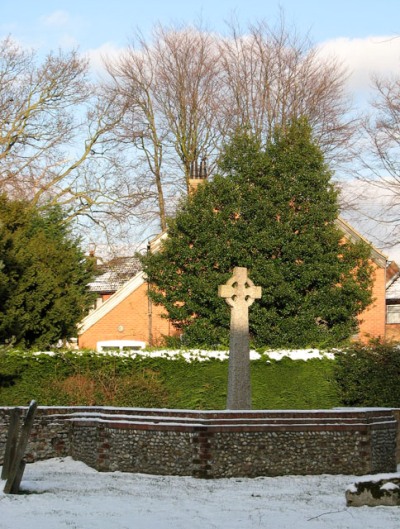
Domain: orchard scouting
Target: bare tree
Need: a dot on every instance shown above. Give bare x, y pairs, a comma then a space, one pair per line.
273, 75
123, 151
169, 88
186, 90
383, 130
379, 170
133, 89
55, 138
189, 91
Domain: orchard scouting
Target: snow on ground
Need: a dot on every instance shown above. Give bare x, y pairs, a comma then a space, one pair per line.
66, 494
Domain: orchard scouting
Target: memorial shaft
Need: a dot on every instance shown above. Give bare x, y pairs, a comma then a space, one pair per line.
239, 293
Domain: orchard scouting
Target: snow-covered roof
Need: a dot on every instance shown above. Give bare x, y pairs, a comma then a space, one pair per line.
393, 291
116, 273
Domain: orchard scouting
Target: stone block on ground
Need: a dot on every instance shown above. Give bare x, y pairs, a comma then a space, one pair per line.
371, 491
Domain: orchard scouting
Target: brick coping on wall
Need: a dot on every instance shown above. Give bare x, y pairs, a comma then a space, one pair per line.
236, 420
229, 419
146, 418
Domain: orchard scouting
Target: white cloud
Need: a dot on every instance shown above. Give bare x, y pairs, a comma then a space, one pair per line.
56, 19
365, 57
61, 29
370, 207
107, 51
67, 42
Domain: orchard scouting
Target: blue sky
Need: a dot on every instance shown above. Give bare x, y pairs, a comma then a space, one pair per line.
92, 23
358, 32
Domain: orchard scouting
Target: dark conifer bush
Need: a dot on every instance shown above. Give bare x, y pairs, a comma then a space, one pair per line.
271, 209
43, 276
368, 375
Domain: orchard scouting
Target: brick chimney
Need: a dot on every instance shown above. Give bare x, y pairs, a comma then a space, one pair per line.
198, 174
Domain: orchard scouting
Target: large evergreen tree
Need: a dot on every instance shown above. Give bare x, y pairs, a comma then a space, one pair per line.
272, 209
43, 276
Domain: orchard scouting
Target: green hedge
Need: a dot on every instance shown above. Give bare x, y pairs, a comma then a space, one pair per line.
369, 375
92, 379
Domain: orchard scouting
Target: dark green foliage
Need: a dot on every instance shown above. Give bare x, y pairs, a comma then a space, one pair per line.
294, 384
92, 379
369, 375
43, 276
70, 379
272, 210
196, 385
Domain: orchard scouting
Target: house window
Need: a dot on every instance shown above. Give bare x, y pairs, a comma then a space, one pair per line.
393, 314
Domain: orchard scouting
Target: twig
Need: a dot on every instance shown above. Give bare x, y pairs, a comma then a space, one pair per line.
330, 512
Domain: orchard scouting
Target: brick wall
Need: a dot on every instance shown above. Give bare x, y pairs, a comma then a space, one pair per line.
373, 319
393, 332
216, 444
129, 320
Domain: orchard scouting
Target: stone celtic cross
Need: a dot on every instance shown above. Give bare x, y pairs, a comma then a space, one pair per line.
239, 293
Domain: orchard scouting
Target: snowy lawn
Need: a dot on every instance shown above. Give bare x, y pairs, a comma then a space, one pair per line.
62, 493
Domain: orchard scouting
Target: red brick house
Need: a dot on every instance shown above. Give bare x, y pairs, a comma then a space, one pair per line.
124, 311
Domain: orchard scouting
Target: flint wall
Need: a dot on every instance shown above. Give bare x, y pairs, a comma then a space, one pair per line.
215, 444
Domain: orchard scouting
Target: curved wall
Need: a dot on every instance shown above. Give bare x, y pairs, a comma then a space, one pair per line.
216, 444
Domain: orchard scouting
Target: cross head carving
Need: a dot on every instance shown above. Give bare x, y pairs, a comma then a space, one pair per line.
239, 289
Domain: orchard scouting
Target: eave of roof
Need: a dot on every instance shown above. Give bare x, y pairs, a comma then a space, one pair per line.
156, 242
113, 301
353, 235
